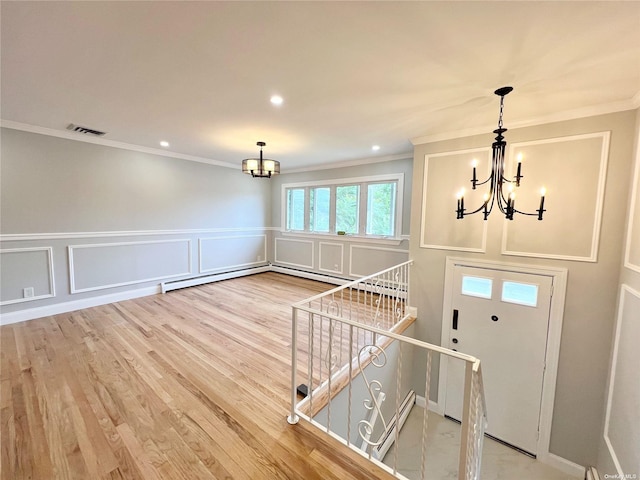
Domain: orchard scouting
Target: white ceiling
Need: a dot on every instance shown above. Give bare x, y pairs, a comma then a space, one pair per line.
352, 74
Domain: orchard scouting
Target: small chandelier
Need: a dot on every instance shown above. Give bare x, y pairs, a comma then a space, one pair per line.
260, 167
498, 183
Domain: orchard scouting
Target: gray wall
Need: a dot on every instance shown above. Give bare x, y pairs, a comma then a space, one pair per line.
112, 204
386, 375
592, 286
335, 255
619, 448
105, 220
404, 166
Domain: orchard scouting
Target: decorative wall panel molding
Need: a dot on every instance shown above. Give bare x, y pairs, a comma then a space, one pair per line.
365, 260
622, 417
344, 238
444, 175
297, 253
107, 265
31, 273
632, 251
331, 257
13, 237
225, 253
573, 170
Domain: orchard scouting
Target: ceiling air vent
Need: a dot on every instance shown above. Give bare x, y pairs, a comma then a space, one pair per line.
85, 130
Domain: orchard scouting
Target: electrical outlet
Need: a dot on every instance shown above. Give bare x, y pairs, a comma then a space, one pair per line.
335, 267
259, 259
28, 292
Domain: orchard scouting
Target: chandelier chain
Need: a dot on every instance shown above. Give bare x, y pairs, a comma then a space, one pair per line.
505, 200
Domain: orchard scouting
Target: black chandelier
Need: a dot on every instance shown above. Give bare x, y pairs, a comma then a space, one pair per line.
260, 167
506, 201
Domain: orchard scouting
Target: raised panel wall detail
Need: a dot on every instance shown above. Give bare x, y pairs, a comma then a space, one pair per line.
26, 267
223, 253
571, 226
107, 265
622, 418
632, 252
444, 175
297, 253
331, 257
368, 260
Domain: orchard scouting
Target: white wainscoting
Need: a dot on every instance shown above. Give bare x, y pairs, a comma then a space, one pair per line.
28, 267
93, 264
632, 252
76, 304
221, 253
107, 265
365, 260
331, 257
296, 253
622, 417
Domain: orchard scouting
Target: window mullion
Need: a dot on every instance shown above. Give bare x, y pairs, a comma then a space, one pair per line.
332, 209
397, 222
307, 209
362, 210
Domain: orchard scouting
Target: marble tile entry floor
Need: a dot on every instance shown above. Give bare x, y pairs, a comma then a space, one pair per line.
443, 442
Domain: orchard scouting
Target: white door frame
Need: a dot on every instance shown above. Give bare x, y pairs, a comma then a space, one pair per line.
553, 340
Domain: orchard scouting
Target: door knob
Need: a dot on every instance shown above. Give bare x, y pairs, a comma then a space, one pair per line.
454, 340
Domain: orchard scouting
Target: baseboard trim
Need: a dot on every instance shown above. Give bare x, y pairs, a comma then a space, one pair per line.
433, 406
550, 459
309, 275
217, 277
591, 474
66, 307
562, 464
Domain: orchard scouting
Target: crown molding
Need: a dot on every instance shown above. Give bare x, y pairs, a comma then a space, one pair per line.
68, 135
575, 114
353, 163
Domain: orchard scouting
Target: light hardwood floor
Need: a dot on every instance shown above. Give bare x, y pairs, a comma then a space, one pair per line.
192, 384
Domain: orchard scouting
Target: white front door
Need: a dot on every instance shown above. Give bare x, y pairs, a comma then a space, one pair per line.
502, 318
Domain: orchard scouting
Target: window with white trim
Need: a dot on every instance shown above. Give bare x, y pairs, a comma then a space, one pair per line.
365, 207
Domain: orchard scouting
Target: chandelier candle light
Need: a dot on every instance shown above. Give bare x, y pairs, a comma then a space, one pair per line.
506, 201
260, 167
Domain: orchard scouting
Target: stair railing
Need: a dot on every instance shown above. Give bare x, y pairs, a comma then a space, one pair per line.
350, 347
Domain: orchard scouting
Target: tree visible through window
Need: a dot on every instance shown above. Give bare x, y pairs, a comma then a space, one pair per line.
381, 208
347, 208
363, 207
319, 210
295, 209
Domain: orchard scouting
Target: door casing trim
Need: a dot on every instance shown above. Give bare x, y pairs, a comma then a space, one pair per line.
554, 333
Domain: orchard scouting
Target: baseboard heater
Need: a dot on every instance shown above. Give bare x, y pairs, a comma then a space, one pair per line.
192, 282
389, 435
336, 280
310, 275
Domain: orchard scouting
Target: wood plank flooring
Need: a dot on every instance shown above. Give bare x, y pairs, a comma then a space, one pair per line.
192, 384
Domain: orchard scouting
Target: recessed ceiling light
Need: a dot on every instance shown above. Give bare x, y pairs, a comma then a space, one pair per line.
375, 148
164, 144
277, 99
